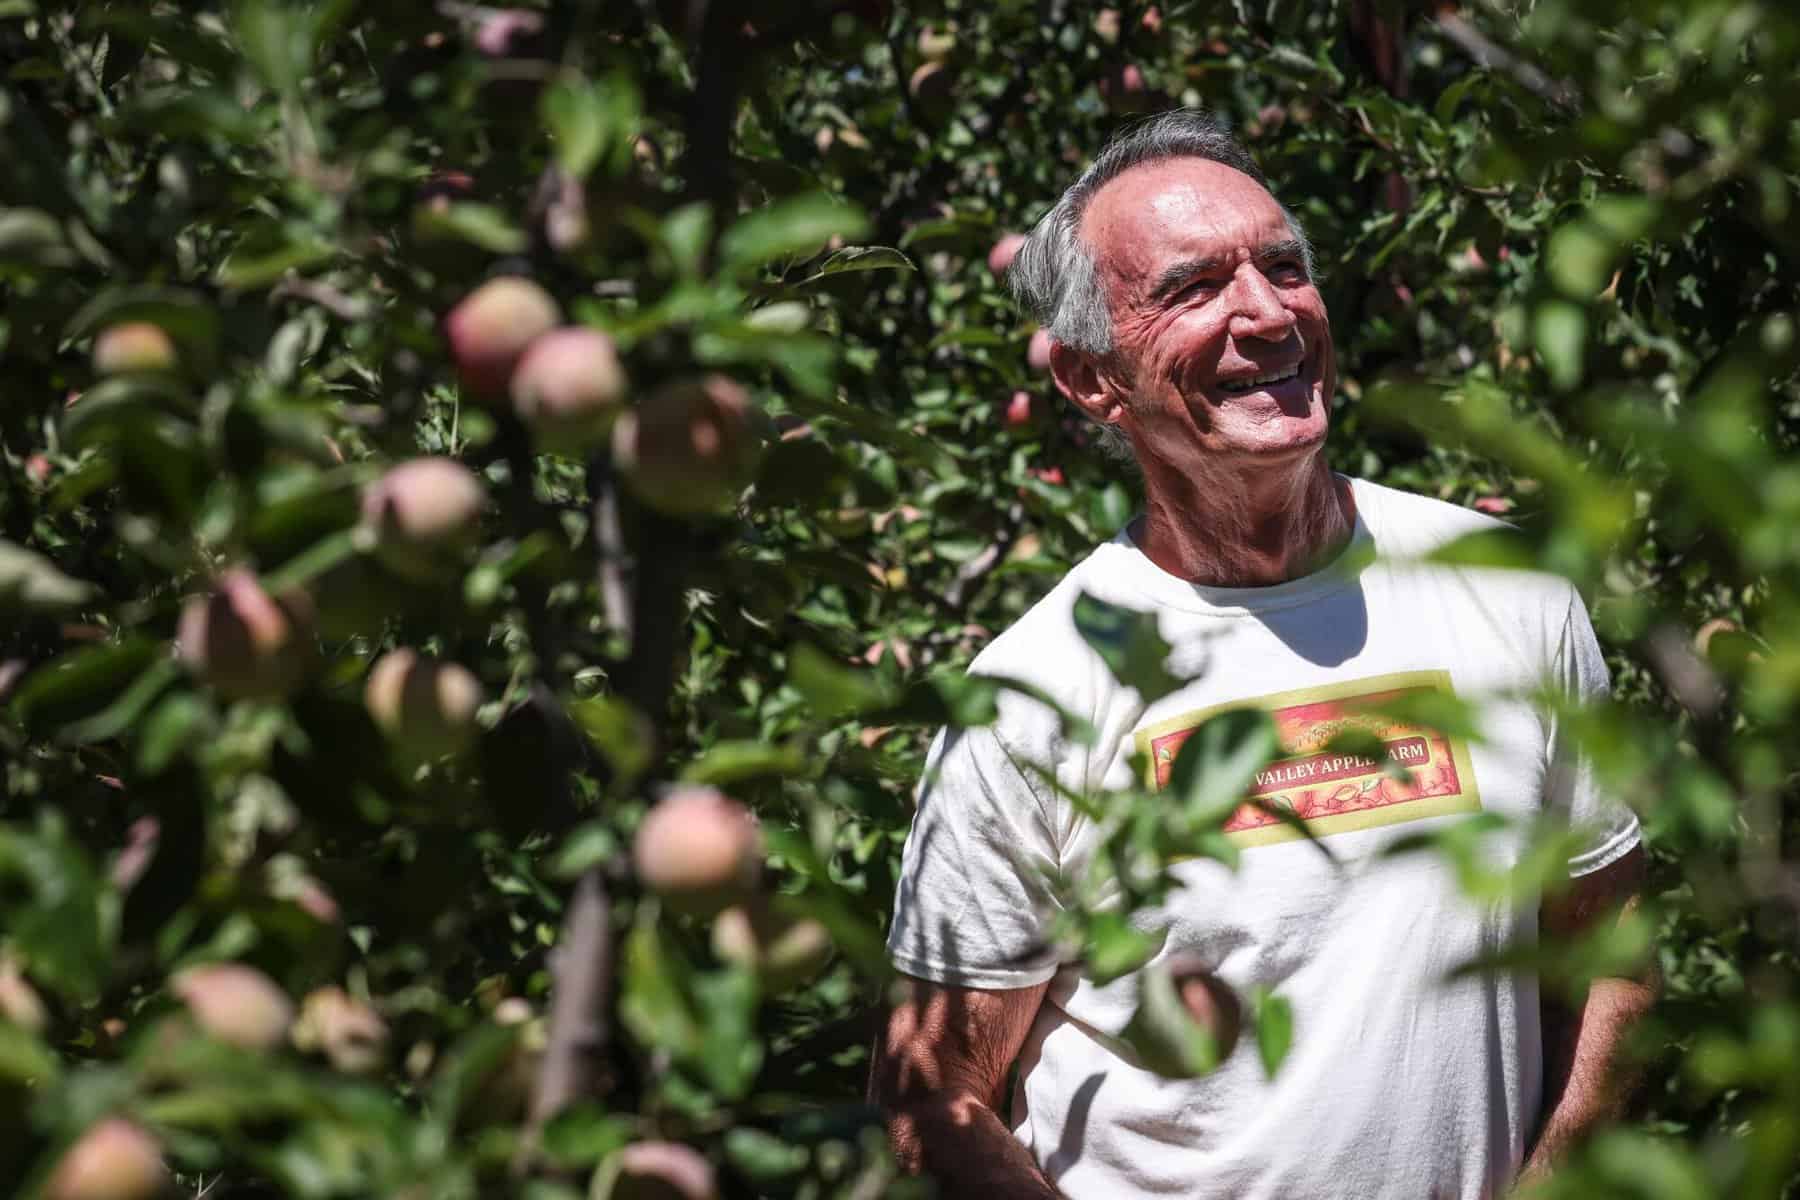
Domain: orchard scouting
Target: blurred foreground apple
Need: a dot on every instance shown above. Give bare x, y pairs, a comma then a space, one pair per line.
236, 1004
423, 514
655, 1171
115, 1160
1004, 251
133, 346
569, 388
492, 327
1187, 1020
782, 948
426, 707
245, 643
699, 850
689, 449
348, 1032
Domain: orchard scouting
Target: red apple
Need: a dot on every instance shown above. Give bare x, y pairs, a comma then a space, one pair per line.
699, 850
1004, 251
133, 346
569, 388
113, 1160
1124, 89
1021, 410
689, 449
491, 328
236, 1004
426, 707
655, 1171
1037, 351
508, 33
244, 643
1106, 25
424, 514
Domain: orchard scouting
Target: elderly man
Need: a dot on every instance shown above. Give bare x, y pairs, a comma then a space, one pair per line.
1185, 320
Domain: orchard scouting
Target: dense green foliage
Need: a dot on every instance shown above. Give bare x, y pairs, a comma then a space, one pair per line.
1559, 250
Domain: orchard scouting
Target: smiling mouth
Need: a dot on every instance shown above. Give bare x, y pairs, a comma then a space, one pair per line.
1238, 387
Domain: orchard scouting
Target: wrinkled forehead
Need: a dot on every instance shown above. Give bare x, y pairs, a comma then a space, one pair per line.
1178, 208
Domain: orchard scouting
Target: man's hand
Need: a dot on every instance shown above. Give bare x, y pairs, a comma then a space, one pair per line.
938, 1073
1581, 1087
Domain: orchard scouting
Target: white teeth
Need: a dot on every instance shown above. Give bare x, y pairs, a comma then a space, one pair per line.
1244, 385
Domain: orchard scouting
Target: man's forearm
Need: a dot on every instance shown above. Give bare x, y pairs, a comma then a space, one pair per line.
1582, 1082
965, 1145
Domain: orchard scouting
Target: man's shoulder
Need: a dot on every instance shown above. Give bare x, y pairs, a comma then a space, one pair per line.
1407, 525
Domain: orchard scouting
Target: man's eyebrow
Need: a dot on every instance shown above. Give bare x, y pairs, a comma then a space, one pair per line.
1176, 276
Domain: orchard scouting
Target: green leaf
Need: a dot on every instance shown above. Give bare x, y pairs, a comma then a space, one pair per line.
729, 761
482, 225
1217, 764
799, 225
1129, 643
31, 583
860, 258
619, 731
653, 1000
763, 1157
1274, 1018
175, 725
583, 1134
242, 272
1113, 947
1559, 331
833, 689
32, 237
82, 681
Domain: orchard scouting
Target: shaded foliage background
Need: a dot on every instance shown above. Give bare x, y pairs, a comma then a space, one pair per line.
1558, 245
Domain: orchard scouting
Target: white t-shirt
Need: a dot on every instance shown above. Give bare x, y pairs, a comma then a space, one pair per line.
1399, 1083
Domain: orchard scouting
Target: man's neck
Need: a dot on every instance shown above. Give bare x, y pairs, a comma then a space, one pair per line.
1247, 528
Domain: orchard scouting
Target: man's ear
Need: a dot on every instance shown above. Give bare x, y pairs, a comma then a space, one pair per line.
1087, 383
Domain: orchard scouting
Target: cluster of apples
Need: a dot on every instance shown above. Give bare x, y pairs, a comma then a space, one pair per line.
239, 1006
688, 450
420, 517
1024, 408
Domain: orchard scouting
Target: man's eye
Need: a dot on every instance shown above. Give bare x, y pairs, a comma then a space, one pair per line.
1287, 272
1201, 287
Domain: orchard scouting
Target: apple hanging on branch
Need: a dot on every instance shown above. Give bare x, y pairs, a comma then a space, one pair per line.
569, 388
491, 328
244, 643
699, 850
424, 706
423, 515
690, 448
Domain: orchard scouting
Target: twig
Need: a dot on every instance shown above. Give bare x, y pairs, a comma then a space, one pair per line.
581, 966
1485, 52
338, 303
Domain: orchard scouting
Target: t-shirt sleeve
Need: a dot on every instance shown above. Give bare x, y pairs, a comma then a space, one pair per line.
973, 904
1607, 826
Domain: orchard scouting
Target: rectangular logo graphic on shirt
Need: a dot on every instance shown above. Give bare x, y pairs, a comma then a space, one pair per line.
1334, 792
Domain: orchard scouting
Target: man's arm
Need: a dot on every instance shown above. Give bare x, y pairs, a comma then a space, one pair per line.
938, 1071
1582, 1086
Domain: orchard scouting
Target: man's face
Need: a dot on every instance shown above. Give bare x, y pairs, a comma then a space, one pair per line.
1223, 347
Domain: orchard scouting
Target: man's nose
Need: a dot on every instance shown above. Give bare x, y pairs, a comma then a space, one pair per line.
1256, 307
